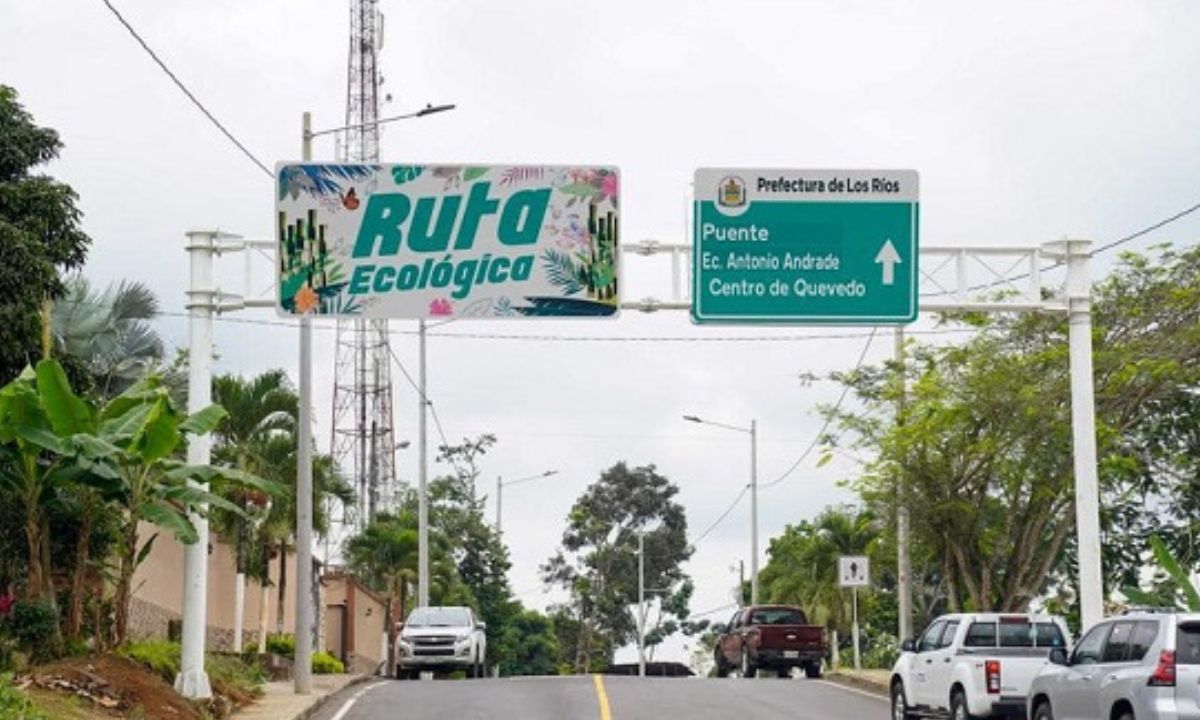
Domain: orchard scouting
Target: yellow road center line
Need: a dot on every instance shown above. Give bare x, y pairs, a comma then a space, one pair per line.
602, 697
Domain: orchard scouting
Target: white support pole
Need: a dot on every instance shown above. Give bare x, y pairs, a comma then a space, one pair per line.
641, 603
903, 534
857, 659
1083, 423
239, 610
754, 512
305, 614
423, 476
192, 681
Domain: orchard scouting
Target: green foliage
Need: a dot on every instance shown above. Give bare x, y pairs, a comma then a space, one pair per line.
39, 231
883, 653
528, 645
1176, 591
597, 565
282, 644
34, 624
161, 657
325, 664
14, 704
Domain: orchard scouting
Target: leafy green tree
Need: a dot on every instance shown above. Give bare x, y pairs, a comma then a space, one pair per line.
258, 409
598, 566
803, 564
39, 231
529, 645
108, 332
385, 555
982, 448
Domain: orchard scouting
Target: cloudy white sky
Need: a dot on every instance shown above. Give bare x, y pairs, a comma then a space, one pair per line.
1026, 120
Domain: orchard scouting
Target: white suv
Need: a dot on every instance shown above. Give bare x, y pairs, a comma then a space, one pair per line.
974, 665
1139, 666
441, 639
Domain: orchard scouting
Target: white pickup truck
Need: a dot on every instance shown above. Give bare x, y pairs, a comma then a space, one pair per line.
974, 665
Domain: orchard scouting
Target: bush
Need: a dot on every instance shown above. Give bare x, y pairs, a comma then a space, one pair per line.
883, 653
282, 644
162, 657
325, 664
34, 624
14, 704
234, 678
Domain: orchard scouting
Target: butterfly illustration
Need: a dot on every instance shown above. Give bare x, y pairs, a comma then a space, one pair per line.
350, 201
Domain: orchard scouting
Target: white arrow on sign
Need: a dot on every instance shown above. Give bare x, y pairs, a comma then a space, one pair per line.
889, 258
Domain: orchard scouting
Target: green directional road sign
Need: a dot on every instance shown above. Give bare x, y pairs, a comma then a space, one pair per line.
805, 246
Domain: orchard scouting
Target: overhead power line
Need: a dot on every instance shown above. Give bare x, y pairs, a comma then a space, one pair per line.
722, 516
828, 418
179, 84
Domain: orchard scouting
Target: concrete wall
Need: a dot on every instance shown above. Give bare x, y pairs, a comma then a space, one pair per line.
158, 592
363, 646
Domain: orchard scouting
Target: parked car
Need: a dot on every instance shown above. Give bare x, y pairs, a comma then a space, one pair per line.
1139, 666
770, 637
441, 639
974, 665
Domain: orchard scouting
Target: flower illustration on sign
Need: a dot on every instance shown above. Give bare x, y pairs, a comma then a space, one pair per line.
440, 308
306, 300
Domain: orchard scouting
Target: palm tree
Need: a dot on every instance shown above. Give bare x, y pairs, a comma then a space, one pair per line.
261, 410
384, 554
108, 332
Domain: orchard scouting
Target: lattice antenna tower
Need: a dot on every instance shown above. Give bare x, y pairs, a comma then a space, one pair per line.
363, 434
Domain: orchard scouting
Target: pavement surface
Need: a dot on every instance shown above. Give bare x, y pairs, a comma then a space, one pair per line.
603, 698
280, 702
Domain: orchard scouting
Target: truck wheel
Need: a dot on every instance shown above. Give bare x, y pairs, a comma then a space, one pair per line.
1043, 712
900, 709
722, 671
958, 706
813, 670
748, 669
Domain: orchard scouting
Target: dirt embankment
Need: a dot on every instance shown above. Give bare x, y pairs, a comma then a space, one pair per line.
111, 686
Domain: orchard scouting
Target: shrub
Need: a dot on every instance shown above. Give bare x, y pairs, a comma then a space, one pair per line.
234, 678
162, 657
282, 644
325, 664
34, 623
14, 704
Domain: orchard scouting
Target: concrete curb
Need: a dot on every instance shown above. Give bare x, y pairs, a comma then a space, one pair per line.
324, 699
858, 683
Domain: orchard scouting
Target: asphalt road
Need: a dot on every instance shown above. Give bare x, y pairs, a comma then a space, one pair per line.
610, 698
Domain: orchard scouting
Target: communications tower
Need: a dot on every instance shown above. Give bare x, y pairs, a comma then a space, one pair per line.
363, 441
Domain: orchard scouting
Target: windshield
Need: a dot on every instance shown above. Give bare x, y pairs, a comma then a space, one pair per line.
777, 616
439, 617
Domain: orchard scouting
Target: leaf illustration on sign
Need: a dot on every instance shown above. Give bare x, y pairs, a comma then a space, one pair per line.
403, 173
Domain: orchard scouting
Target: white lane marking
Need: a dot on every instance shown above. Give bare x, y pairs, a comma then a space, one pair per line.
839, 686
350, 703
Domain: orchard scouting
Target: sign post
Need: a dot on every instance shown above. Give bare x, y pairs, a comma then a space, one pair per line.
854, 571
805, 246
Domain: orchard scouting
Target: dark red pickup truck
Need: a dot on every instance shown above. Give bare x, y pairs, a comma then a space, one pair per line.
770, 637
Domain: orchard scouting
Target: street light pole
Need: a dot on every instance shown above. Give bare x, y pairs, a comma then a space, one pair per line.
754, 512
305, 612
500, 485
641, 603
753, 432
423, 475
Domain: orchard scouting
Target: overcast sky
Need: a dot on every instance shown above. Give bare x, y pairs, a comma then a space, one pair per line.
1027, 121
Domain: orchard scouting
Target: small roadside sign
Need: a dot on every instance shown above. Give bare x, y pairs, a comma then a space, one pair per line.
854, 571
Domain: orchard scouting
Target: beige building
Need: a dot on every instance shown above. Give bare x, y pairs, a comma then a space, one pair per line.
355, 623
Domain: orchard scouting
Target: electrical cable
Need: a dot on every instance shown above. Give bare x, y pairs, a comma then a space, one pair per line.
178, 83
721, 517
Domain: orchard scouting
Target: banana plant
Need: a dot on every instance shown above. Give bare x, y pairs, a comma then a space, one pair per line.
44, 446
1184, 593
148, 430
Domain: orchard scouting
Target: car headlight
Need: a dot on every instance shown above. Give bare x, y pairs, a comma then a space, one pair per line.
464, 638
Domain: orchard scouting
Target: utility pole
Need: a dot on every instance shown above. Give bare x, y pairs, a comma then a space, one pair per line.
1083, 424
753, 512
423, 476
305, 612
641, 603
192, 681
903, 536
